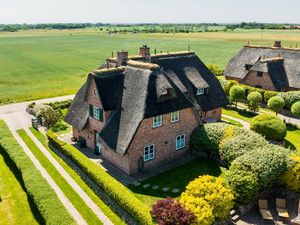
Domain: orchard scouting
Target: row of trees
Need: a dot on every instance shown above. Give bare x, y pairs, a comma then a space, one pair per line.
255, 99
254, 25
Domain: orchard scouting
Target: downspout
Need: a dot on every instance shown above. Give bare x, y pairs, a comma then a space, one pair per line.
200, 122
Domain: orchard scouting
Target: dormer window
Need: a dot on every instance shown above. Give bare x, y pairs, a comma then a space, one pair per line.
96, 112
200, 91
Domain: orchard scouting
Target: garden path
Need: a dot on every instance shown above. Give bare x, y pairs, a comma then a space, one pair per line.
89, 202
65, 201
243, 122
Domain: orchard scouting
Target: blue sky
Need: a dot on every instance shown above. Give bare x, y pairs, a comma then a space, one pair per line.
149, 11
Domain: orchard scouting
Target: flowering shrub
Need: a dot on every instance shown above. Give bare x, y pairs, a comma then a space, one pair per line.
208, 198
291, 178
170, 212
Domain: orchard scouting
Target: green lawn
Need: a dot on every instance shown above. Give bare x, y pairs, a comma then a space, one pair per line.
44, 63
69, 192
232, 122
239, 115
14, 205
177, 177
105, 209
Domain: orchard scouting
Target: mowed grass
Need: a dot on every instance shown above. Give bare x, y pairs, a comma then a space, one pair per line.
105, 209
14, 205
46, 63
87, 214
175, 178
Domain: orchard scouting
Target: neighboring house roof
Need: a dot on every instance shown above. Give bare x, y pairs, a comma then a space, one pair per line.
143, 90
286, 71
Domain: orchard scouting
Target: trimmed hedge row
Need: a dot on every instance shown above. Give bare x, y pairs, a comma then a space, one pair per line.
290, 97
112, 187
37, 188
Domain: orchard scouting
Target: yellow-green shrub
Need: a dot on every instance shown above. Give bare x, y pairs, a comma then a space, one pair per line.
291, 178
214, 192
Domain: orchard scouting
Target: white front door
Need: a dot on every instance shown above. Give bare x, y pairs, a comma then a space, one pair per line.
98, 150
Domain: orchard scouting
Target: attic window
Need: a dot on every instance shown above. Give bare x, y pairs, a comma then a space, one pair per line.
259, 74
248, 66
157, 121
200, 91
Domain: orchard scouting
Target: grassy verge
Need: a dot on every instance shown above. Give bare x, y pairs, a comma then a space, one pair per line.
75, 199
14, 204
236, 114
105, 209
177, 177
47, 208
293, 137
232, 122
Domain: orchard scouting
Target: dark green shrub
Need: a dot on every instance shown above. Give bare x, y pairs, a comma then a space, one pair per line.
236, 146
269, 126
290, 98
269, 94
37, 188
296, 109
206, 139
60, 105
254, 100
60, 126
112, 187
276, 104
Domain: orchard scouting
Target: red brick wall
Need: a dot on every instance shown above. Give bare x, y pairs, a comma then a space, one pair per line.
164, 138
265, 81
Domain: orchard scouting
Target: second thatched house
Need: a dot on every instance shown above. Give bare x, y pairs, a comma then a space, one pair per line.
270, 68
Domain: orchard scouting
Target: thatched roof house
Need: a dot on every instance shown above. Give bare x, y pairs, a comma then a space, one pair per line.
270, 68
131, 90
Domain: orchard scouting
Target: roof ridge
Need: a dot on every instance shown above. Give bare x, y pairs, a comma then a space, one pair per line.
271, 59
108, 70
143, 65
266, 47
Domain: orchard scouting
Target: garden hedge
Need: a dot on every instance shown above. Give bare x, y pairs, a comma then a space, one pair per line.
270, 126
290, 98
43, 196
257, 170
124, 197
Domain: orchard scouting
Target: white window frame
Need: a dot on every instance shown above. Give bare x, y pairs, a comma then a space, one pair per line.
96, 112
175, 116
181, 141
149, 156
157, 121
200, 91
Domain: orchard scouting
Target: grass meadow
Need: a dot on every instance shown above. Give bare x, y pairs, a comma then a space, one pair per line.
46, 63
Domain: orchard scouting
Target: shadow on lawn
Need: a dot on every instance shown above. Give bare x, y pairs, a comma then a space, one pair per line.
177, 177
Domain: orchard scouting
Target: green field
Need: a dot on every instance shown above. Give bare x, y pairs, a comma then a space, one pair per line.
45, 63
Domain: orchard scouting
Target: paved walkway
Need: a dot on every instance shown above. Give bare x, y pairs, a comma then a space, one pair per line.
65, 201
243, 122
101, 216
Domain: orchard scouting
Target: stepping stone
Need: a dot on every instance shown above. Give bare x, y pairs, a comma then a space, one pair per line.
136, 184
155, 187
146, 185
166, 189
235, 218
175, 190
232, 212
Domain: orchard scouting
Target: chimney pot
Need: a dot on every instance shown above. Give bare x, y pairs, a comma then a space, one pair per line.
122, 57
277, 44
145, 52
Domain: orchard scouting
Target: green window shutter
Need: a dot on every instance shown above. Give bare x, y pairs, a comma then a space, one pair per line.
100, 115
91, 110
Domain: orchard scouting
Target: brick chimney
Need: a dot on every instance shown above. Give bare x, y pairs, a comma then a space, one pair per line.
145, 51
277, 44
122, 57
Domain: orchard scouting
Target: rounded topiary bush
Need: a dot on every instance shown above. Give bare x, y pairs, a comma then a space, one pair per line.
296, 109
276, 104
269, 126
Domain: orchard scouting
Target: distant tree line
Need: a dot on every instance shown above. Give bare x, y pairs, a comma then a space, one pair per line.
148, 28
254, 25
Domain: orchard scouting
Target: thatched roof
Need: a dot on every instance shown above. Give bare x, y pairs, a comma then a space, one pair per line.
283, 64
145, 89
